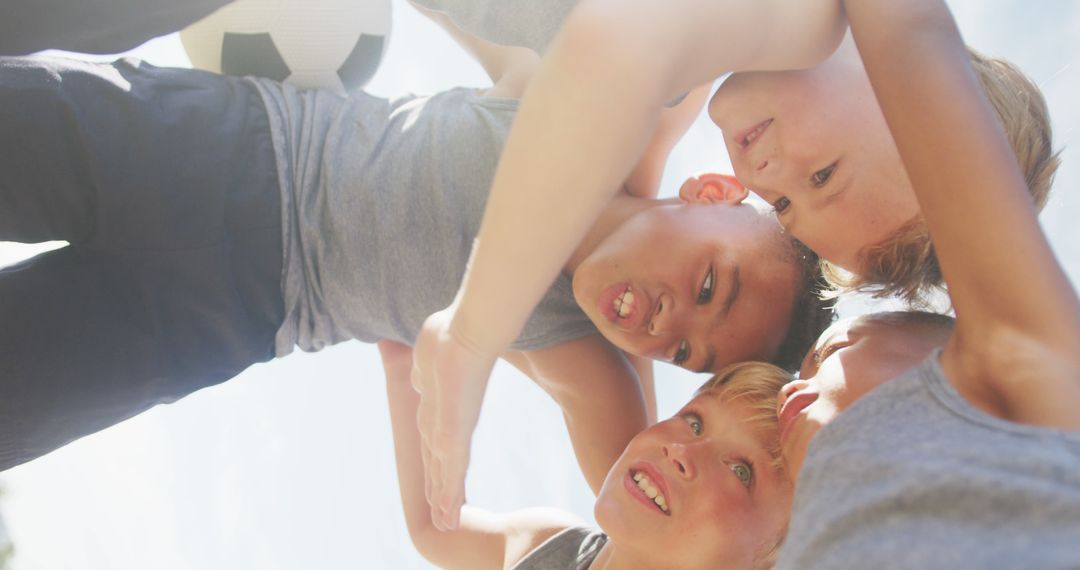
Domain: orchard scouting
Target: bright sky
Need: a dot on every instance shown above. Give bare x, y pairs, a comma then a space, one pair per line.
290, 465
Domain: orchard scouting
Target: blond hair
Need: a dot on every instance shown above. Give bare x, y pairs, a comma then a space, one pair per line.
904, 263
756, 385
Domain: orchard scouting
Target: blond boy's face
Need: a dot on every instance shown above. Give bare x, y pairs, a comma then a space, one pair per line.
814, 144
716, 497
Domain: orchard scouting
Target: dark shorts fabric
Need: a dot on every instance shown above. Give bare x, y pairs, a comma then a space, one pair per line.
94, 26
164, 183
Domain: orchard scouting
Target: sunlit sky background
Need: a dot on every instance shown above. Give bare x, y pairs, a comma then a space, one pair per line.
290, 464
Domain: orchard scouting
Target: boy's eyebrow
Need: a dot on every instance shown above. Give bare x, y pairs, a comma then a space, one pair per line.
732, 296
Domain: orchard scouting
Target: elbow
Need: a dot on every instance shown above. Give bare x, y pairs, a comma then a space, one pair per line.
602, 44
807, 35
426, 539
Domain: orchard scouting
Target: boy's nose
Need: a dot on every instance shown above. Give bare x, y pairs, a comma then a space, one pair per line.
787, 390
662, 319
677, 454
767, 172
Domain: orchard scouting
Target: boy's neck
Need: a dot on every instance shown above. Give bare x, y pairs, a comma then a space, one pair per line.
621, 208
609, 557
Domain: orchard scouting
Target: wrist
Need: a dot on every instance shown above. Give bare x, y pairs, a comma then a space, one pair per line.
472, 327
479, 321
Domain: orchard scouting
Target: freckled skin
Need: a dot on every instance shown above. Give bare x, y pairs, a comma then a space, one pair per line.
713, 516
821, 116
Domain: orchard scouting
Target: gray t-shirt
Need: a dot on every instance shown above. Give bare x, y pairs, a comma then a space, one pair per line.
528, 23
382, 200
574, 548
913, 476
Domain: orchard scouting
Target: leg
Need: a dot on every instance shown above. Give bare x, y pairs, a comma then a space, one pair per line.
175, 284
90, 339
120, 154
94, 26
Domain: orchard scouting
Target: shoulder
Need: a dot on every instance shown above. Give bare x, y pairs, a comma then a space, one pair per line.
533, 528
1015, 377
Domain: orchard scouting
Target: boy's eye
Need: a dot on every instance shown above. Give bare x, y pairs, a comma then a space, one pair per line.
695, 424
706, 292
821, 177
826, 351
682, 354
781, 205
744, 472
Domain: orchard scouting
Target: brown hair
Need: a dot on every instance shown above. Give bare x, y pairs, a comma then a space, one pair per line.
812, 312
904, 263
756, 385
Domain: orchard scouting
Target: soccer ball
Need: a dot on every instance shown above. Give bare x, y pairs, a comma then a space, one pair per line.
334, 44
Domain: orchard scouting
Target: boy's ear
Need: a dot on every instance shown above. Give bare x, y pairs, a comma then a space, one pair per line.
712, 188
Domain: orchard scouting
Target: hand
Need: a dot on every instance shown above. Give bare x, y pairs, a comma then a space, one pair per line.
451, 376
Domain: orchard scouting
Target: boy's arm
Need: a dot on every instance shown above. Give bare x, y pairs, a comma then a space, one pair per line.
483, 540
585, 120
647, 378
509, 67
587, 117
600, 396
1018, 319
672, 124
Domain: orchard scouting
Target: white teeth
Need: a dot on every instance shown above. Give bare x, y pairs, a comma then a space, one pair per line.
754, 134
623, 303
650, 491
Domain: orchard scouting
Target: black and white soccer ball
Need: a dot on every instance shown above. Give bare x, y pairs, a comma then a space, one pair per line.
335, 44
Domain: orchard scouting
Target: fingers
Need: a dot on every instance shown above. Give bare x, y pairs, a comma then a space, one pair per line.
438, 517
451, 379
415, 377
425, 456
447, 473
452, 493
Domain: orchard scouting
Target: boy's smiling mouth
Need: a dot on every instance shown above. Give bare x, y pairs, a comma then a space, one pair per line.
748, 136
647, 490
621, 305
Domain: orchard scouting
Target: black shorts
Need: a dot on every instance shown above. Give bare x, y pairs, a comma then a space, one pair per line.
164, 183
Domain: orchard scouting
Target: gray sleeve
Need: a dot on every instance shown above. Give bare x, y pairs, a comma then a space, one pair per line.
529, 23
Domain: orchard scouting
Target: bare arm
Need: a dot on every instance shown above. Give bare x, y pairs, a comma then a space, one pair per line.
587, 116
600, 396
644, 179
509, 67
646, 375
1018, 318
585, 120
484, 539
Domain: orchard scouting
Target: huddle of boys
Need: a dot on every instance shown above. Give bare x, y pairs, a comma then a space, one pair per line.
859, 167
755, 443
